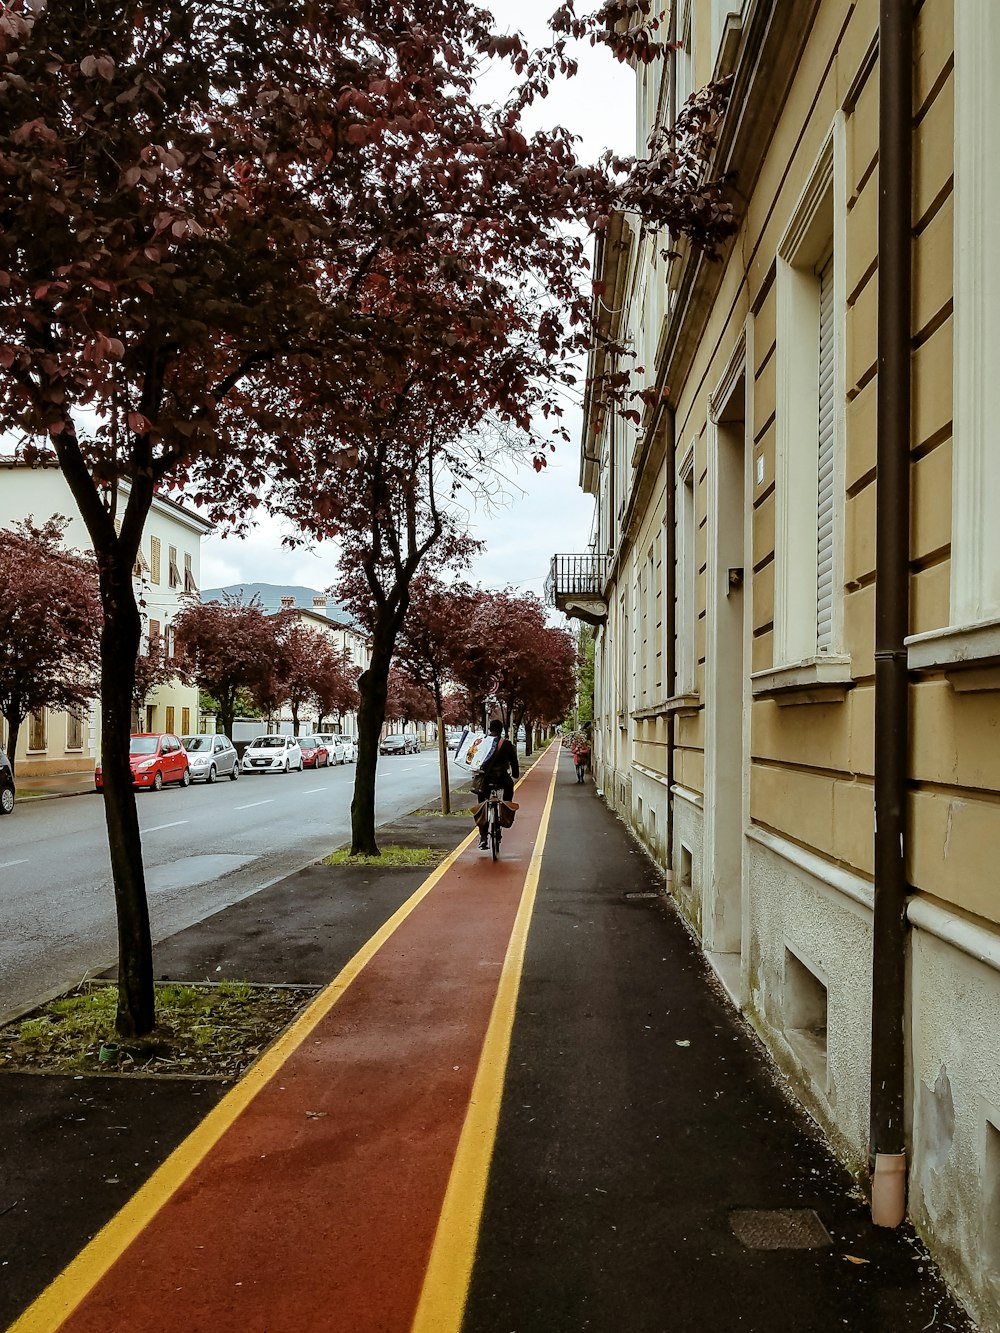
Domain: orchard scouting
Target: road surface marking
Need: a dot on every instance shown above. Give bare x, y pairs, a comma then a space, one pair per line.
5, 865
67, 1292
446, 1283
156, 827
312, 790
254, 804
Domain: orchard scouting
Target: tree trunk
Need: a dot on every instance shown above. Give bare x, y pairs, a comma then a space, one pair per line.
295, 719
529, 742
443, 762
13, 732
119, 648
227, 715
373, 688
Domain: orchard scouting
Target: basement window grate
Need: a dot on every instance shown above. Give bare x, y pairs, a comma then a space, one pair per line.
779, 1228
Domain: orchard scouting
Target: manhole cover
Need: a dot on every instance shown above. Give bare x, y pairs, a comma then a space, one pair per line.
779, 1228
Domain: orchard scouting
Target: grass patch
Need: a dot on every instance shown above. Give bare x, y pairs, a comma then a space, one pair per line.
391, 858
213, 1029
463, 810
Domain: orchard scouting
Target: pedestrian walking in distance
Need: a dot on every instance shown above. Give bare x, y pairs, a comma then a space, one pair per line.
580, 750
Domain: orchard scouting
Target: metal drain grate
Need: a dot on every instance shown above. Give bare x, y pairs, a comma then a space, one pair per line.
779, 1228
645, 896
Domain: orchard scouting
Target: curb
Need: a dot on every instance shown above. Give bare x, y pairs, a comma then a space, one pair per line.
51, 796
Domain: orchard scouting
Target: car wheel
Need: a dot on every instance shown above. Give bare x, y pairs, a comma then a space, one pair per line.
6, 800
157, 781
186, 778
234, 775
287, 766
211, 773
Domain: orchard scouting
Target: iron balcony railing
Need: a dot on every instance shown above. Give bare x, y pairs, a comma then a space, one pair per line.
576, 576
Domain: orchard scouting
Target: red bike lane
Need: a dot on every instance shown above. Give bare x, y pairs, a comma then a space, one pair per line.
310, 1197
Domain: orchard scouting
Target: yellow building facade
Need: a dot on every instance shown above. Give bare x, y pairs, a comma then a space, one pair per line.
780, 649
168, 569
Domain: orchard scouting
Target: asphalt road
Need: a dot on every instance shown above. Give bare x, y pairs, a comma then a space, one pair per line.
204, 848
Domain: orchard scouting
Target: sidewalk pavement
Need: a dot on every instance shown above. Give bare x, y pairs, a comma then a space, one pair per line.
644, 1171
34, 787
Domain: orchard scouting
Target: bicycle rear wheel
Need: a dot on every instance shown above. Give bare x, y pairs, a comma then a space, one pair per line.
495, 831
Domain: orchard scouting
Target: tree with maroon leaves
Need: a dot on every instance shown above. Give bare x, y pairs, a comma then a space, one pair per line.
50, 623
531, 663
431, 641
309, 665
220, 224
154, 668
334, 688
544, 694
228, 647
459, 709
406, 699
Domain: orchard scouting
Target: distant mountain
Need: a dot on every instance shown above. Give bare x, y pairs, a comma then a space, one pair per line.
270, 595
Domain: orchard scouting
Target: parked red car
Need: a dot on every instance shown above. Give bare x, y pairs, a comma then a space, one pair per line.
314, 753
155, 758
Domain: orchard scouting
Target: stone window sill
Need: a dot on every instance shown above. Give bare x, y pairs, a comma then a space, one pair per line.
969, 655
683, 703
680, 703
817, 680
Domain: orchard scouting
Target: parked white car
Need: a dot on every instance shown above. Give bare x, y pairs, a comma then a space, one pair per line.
272, 754
211, 757
338, 746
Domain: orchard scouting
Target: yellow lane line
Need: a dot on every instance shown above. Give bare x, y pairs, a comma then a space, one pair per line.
58, 1301
446, 1282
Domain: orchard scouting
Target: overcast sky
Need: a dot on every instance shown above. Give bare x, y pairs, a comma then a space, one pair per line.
548, 512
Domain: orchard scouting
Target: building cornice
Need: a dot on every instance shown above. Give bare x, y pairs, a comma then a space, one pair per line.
161, 503
611, 266
765, 66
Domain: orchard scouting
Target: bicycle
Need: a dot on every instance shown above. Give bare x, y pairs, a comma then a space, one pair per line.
494, 829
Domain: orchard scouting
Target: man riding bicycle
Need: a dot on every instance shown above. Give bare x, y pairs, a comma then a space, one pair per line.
498, 769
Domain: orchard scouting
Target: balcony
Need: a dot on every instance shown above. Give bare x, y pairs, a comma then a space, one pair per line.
575, 586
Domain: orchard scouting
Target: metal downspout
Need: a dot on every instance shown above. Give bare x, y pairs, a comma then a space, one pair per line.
670, 542
670, 611
892, 517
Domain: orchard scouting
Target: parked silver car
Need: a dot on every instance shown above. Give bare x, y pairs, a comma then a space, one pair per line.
211, 757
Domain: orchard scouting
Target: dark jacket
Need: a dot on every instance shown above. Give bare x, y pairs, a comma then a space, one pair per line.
502, 760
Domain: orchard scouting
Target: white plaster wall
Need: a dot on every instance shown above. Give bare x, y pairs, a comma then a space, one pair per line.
40, 493
688, 831
651, 789
830, 932
954, 1194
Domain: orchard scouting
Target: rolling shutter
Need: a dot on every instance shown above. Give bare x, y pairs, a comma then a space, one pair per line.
824, 468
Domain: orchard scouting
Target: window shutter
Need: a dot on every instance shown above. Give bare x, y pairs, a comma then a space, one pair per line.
824, 469
189, 583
